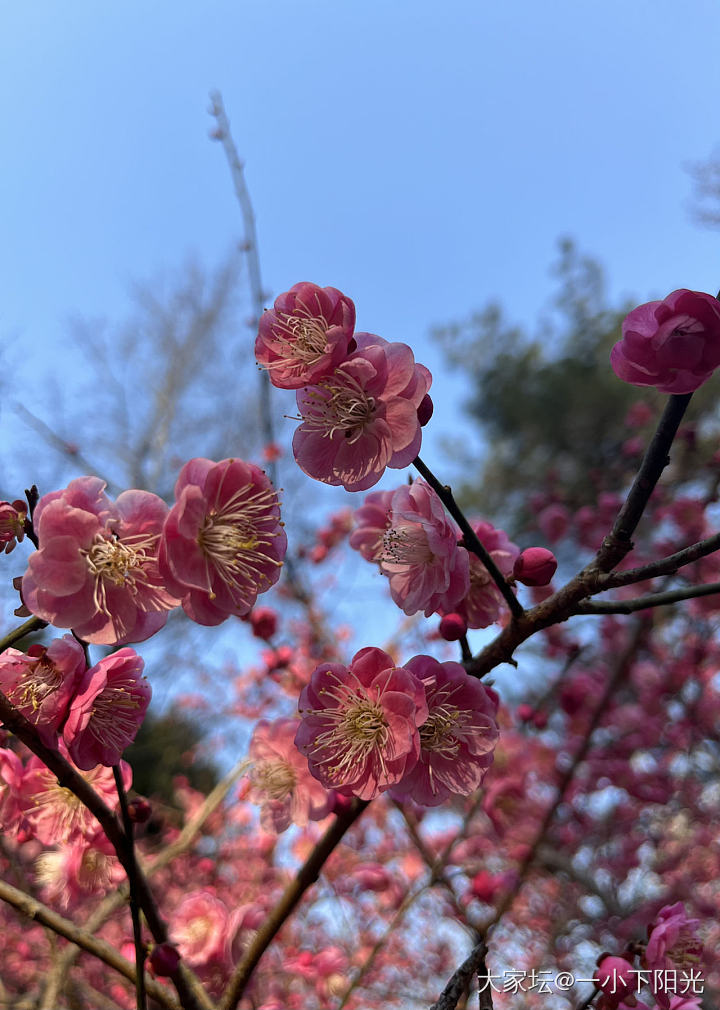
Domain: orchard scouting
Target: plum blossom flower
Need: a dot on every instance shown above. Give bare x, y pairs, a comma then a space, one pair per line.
96, 568
364, 417
672, 945
673, 344
107, 711
80, 867
223, 541
458, 738
12, 524
371, 521
420, 554
617, 980
484, 602
359, 728
305, 336
199, 928
281, 780
41, 682
54, 813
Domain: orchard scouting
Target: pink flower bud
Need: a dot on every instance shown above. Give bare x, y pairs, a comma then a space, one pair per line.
425, 410
263, 621
452, 627
139, 810
525, 713
164, 960
535, 567
616, 978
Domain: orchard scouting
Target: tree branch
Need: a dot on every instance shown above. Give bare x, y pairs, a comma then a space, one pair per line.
307, 875
665, 566
461, 980
471, 539
645, 602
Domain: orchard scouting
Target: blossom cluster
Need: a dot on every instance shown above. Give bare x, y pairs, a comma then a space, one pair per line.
361, 399
425, 730
429, 569
96, 710
112, 571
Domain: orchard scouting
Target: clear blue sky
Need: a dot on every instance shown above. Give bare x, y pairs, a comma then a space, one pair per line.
423, 157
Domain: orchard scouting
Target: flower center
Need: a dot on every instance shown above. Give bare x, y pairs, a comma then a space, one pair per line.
40, 681
357, 730
299, 340
438, 733
120, 563
405, 545
338, 406
113, 720
275, 778
236, 537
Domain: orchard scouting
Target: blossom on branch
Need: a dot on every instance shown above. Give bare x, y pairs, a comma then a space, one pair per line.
305, 336
107, 711
673, 948
359, 728
484, 603
12, 524
364, 417
223, 541
673, 344
42, 682
420, 555
281, 780
458, 738
96, 568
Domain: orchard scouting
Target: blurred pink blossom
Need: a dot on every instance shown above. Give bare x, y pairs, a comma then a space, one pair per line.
672, 945
199, 928
484, 602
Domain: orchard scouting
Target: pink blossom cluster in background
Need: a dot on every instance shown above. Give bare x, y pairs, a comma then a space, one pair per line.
361, 399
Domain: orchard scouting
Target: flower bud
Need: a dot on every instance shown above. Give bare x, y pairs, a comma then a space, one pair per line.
139, 810
452, 627
535, 567
263, 621
616, 977
425, 410
164, 960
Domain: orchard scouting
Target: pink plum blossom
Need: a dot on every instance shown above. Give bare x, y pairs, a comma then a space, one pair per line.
54, 813
107, 710
41, 682
281, 780
96, 567
673, 344
672, 945
199, 928
458, 738
80, 867
223, 542
359, 728
420, 554
11, 778
364, 417
305, 336
12, 524
484, 602
371, 521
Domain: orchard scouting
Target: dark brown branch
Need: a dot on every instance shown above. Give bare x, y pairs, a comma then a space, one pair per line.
645, 602
665, 566
461, 979
471, 539
307, 875
618, 542
34, 909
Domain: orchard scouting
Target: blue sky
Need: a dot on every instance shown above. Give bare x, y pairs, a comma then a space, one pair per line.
422, 157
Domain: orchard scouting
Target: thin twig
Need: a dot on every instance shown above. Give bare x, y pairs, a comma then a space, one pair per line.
665, 566
33, 624
645, 602
471, 540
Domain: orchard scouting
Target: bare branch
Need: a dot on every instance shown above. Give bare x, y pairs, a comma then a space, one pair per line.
462, 979
645, 602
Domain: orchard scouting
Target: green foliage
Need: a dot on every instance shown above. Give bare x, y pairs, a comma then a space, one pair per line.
549, 405
164, 748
